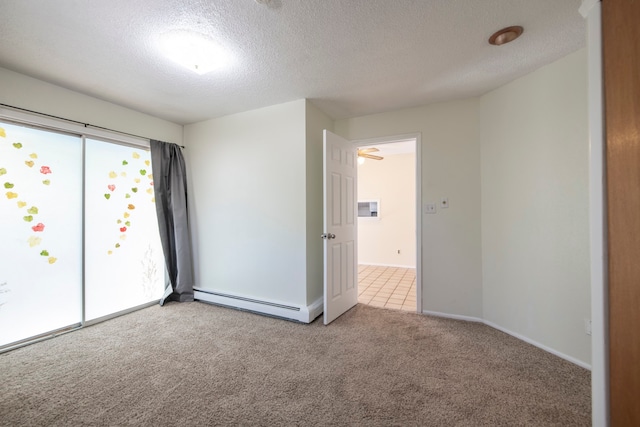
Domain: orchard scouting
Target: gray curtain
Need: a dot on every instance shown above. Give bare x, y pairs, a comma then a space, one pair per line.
170, 186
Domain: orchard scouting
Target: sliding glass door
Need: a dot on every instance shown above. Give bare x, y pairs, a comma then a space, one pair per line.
76, 243
123, 255
41, 232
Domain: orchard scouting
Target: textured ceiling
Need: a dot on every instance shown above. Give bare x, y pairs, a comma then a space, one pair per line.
349, 57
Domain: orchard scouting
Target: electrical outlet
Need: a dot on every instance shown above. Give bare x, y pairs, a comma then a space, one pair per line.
587, 326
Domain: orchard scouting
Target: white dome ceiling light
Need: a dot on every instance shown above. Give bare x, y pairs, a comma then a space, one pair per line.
193, 50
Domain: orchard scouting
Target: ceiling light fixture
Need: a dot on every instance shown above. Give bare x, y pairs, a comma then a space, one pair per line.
505, 35
193, 50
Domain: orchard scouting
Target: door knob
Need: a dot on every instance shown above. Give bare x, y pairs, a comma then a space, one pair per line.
328, 236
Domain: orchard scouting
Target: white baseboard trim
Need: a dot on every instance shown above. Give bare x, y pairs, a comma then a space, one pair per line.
299, 313
453, 316
315, 309
513, 334
386, 265
539, 345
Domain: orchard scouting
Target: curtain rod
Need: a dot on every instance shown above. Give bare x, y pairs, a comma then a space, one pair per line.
77, 122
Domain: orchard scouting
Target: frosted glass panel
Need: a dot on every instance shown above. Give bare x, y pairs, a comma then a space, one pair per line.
40, 232
124, 265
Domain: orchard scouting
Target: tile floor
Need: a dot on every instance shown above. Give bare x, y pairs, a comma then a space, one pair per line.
387, 287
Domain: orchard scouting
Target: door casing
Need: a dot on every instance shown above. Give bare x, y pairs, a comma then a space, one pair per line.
418, 168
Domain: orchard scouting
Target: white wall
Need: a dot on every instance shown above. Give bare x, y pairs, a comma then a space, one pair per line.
316, 122
21, 91
393, 182
451, 254
248, 202
535, 226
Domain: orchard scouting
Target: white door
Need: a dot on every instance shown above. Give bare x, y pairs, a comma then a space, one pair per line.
340, 221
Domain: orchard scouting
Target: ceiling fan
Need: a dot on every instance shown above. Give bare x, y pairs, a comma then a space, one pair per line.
365, 153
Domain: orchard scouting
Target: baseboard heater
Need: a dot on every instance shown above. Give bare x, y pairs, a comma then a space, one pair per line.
302, 314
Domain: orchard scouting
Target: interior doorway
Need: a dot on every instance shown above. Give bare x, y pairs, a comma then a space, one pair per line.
388, 197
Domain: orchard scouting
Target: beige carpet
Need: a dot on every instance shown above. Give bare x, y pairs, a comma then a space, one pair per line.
197, 364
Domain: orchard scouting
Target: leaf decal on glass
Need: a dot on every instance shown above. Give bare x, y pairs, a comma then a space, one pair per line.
3, 133
141, 163
34, 241
21, 204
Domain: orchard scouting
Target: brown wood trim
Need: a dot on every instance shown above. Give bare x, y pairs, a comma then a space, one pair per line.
621, 56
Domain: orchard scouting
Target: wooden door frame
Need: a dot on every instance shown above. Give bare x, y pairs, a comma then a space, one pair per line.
614, 95
621, 82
